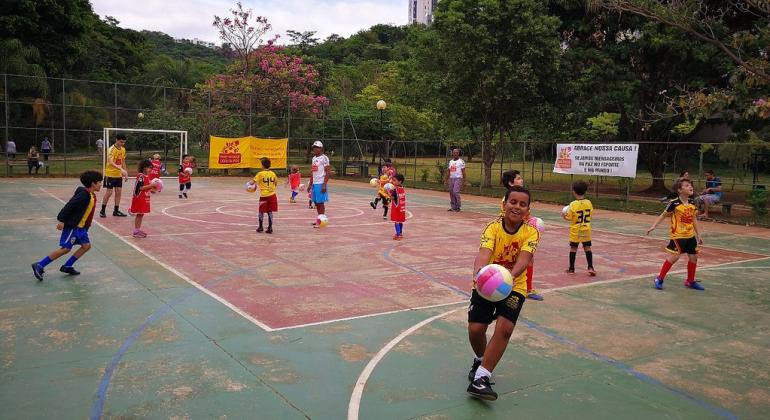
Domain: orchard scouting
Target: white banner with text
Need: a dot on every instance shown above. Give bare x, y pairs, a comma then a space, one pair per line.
597, 159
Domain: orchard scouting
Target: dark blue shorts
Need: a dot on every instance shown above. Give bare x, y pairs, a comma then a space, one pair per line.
73, 236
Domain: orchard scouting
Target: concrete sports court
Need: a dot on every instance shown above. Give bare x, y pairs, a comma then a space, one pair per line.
205, 318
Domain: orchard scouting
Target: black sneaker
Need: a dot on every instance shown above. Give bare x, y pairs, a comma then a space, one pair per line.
371, 203
185, 195
481, 388
119, 213
260, 230
69, 270
102, 214
38, 271
269, 230
474, 367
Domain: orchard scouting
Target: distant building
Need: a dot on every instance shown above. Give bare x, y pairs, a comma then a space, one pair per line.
421, 11
195, 41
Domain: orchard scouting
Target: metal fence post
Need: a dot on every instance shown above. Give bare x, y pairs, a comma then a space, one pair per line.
64, 124
5, 88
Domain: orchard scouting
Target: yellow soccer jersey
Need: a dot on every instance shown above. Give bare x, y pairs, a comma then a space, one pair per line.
117, 156
267, 181
506, 247
579, 215
682, 216
384, 179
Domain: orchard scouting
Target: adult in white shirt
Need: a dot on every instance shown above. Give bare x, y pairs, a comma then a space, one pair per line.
99, 146
454, 179
320, 170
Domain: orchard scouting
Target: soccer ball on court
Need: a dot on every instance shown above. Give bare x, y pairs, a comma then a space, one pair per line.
188, 170
302, 186
158, 183
251, 187
565, 210
494, 282
322, 221
373, 182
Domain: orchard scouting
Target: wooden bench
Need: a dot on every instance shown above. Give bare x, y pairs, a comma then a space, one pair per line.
727, 207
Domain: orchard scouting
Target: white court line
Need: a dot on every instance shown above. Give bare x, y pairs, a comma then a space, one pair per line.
178, 273
358, 390
330, 321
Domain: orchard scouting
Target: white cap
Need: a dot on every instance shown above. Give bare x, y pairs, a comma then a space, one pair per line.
318, 144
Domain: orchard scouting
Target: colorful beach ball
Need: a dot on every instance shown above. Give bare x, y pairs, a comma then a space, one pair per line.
537, 223
158, 185
494, 282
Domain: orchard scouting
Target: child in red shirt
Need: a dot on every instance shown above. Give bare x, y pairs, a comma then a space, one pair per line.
156, 168
185, 175
140, 201
398, 206
294, 180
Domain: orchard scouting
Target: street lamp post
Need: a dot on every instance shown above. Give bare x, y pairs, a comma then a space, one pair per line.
381, 105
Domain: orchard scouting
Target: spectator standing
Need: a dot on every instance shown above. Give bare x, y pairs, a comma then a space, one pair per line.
46, 148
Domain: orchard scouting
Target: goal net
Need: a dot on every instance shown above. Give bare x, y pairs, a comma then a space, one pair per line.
141, 143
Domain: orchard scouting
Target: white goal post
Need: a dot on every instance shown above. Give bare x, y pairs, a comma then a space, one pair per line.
110, 133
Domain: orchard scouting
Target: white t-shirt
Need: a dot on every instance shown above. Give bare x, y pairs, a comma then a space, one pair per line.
319, 168
99, 143
456, 168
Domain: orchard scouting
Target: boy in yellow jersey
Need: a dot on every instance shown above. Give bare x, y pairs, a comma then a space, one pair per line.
510, 242
382, 194
579, 215
114, 175
268, 201
685, 235
74, 220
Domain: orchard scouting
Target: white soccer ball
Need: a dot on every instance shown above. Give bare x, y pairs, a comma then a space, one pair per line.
140, 115
251, 187
158, 183
188, 170
565, 210
389, 186
322, 221
302, 186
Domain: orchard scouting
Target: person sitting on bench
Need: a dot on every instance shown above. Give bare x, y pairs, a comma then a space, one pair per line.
712, 194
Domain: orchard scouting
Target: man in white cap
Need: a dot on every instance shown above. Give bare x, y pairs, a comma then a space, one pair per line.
317, 184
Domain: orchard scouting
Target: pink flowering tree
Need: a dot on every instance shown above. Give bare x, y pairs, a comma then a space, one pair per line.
242, 32
277, 83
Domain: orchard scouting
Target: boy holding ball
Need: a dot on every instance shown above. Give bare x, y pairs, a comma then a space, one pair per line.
510, 242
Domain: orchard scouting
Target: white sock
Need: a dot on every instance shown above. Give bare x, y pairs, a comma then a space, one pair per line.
478, 359
482, 371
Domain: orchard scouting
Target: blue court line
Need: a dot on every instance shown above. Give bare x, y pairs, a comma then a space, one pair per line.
97, 409
537, 327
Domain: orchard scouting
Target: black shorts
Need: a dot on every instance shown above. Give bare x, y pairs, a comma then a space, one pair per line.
683, 246
575, 244
184, 185
110, 182
484, 311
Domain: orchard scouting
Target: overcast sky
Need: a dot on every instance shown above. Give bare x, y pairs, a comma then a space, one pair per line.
192, 18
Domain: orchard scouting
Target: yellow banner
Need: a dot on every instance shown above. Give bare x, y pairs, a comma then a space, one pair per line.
246, 152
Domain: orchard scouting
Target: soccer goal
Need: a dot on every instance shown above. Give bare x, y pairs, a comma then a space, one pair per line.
142, 143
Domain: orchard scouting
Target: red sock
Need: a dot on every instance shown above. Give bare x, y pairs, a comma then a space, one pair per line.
664, 270
530, 271
691, 271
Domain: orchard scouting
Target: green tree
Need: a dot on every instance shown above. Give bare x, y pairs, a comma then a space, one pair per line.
492, 63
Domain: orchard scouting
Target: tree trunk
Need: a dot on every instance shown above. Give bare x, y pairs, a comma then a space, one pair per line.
488, 157
653, 157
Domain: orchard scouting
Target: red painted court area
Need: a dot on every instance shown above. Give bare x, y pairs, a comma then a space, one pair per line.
300, 275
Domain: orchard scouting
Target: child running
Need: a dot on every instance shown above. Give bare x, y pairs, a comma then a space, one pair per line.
685, 234
509, 179
140, 201
579, 216
398, 206
74, 220
510, 242
294, 180
185, 176
268, 201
